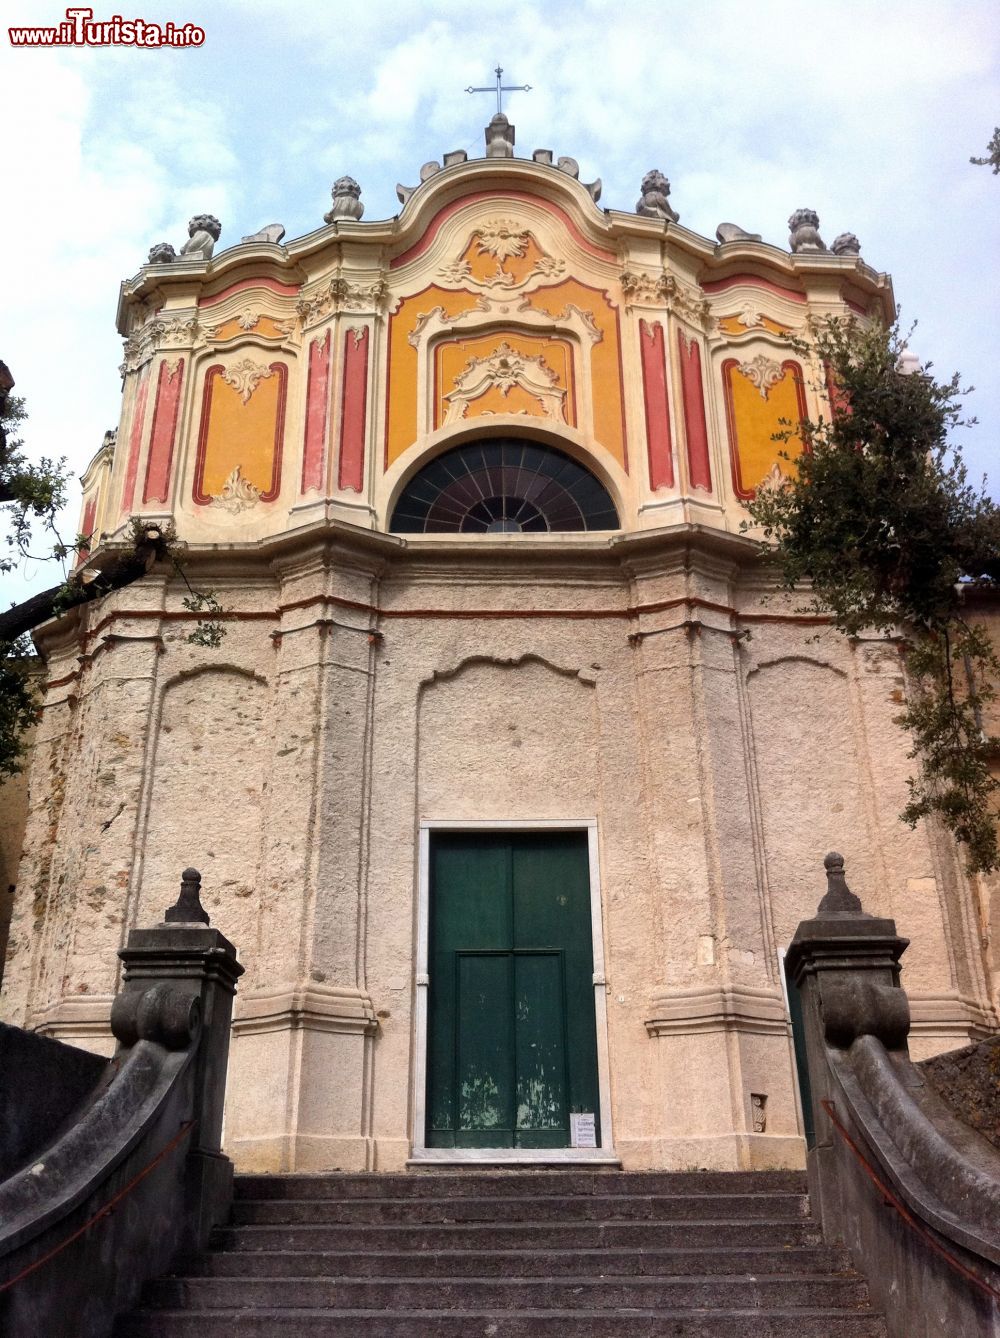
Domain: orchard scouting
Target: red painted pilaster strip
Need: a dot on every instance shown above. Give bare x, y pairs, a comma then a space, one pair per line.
161, 444
135, 440
317, 402
350, 473
654, 389
87, 528
699, 469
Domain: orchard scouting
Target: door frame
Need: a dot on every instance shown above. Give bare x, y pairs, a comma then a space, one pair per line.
420, 1152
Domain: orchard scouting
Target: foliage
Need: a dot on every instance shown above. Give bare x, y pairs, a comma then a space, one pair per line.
992, 158
880, 520
18, 704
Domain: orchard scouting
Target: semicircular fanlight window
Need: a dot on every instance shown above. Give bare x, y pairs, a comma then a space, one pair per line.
503, 486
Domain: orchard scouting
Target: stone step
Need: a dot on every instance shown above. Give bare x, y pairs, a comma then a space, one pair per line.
540, 1208
544, 1262
778, 1232
805, 1322
518, 1294
505, 1183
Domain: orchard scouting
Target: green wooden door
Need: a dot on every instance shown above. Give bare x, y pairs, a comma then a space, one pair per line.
512, 1047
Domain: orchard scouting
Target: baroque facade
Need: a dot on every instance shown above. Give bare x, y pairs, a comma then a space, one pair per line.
511, 777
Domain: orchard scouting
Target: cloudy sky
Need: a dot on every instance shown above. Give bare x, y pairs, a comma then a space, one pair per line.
866, 112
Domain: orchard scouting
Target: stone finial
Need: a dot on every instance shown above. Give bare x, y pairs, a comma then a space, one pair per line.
203, 233
846, 245
273, 232
839, 899
732, 232
499, 135
187, 909
454, 157
346, 200
804, 231
908, 363
161, 254
653, 202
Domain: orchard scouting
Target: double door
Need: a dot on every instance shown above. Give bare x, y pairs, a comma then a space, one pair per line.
512, 1050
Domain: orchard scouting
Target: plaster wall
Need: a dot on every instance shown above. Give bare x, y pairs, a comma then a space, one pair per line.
513, 683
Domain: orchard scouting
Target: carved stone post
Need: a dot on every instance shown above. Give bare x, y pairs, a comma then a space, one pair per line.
188, 958
844, 964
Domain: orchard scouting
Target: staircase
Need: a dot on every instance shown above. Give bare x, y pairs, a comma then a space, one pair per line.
513, 1254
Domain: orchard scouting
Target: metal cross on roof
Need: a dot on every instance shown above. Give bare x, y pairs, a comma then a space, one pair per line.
501, 88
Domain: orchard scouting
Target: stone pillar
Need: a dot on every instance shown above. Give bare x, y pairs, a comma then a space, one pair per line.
186, 957
844, 964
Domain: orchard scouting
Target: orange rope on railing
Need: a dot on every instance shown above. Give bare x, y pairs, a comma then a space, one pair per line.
902, 1209
103, 1212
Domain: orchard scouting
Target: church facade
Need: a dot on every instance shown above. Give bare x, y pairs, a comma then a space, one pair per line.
512, 776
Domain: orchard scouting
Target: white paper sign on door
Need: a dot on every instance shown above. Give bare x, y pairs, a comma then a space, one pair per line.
583, 1129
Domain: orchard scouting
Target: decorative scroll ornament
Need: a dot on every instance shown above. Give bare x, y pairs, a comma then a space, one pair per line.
503, 369
520, 311
246, 376
141, 344
503, 239
762, 372
647, 289
341, 295
655, 290
238, 494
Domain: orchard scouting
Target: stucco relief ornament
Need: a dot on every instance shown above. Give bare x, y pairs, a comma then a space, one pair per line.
503, 239
203, 233
238, 494
749, 315
246, 376
803, 229
346, 200
502, 370
647, 289
762, 372
653, 202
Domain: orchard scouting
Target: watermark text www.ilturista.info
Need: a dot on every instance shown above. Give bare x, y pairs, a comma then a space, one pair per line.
80, 28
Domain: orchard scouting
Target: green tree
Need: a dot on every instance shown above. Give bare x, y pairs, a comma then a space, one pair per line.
992, 158
880, 521
31, 496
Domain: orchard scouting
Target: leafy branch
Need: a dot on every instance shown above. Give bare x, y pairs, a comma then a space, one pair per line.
879, 519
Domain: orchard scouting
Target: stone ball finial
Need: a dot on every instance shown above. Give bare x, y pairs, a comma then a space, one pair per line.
846, 245
203, 233
161, 254
499, 135
346, 200
839, 899
803, 229
187, 909
653, 202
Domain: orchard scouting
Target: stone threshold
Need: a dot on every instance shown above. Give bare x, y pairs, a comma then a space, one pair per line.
422, 1157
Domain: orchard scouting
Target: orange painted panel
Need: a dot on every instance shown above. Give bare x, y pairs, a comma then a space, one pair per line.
234, 328
452, 358
401, 372
240, 429
732, 325
605, 357
753, 417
